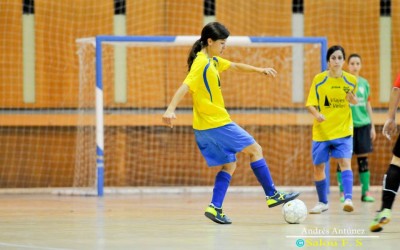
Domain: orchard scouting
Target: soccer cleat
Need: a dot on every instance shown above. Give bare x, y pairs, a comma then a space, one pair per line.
367, 198
216, 215
319, 208
381, 218
280, 198
348, 205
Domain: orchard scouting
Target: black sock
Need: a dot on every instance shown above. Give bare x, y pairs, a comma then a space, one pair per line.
391, 182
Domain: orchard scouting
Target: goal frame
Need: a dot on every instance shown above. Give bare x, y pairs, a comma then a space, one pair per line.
244, 41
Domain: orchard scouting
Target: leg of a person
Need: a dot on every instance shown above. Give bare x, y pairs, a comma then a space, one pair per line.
347, 177
342, 150
320, 155
391, 182
328, 176
356, 145
339, 178
362, 147
320, 182
320, 185
260, 168
391, 179
365, 177
222, 181
261, 171
340, 183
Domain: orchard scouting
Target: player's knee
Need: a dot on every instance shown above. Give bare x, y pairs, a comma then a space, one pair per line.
319, 169
255, 150
258, 148
229, 168
345, 164
362, 164
395, 161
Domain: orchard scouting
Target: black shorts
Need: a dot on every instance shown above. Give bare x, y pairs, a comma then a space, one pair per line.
362, 143
396, 148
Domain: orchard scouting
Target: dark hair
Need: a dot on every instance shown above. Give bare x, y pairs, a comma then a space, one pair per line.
332, 49
213, 30
353, 55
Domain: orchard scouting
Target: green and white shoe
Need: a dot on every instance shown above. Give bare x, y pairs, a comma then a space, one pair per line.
381, 218
367, 197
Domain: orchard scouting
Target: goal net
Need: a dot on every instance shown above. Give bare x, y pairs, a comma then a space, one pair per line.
126, 82
48, 91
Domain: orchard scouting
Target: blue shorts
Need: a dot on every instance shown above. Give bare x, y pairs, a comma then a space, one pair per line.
338, 148
220, 145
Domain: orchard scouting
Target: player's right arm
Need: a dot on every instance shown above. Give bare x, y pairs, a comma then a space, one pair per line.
169, 114
389, 128
318, 116
312, 102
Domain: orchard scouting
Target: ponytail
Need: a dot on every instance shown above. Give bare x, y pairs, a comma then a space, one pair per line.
197, 46
213, 30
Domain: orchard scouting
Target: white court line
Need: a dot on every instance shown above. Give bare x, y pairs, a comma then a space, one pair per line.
31, 247
331, 236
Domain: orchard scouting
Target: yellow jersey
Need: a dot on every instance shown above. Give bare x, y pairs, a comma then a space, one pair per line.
204, 84
328, 95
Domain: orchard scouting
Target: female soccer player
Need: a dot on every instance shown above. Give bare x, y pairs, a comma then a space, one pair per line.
330, 94
364, 130
217, 136
391, 180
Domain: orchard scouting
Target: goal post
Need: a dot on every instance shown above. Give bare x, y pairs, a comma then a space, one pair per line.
318, 46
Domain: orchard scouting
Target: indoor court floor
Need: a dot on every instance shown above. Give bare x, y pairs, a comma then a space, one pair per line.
176, 221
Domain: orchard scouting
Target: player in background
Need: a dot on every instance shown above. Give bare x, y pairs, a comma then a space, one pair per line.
364, 130
218, 137
328, 101
391, 179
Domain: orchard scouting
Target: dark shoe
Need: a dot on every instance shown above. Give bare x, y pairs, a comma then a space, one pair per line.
216, 215
281, 198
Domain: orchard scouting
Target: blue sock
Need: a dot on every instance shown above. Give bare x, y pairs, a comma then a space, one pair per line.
261, 171
221, 185
328, 176
347, 179
321, 190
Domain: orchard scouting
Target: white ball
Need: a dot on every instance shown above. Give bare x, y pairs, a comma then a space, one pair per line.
294, 211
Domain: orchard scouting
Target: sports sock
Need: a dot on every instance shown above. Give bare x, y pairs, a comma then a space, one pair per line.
321, 191
365, 180
328, 176
222, 180
391, 182
261, 171
347, 179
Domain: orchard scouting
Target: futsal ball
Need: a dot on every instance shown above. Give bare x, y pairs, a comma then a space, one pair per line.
294, 211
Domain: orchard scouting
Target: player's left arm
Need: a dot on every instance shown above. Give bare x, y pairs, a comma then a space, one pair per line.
351, 95
351, 98
249, 68
370, 113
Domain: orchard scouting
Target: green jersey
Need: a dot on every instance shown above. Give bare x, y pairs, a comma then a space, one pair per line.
359, 110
